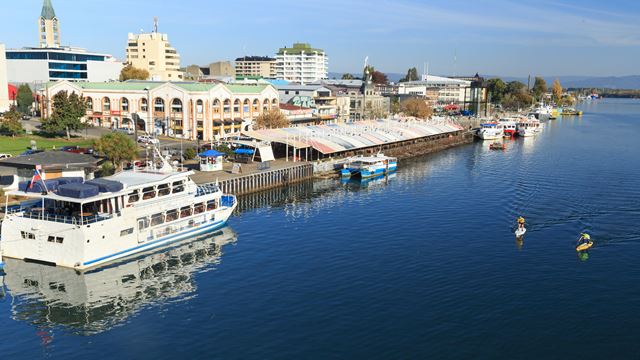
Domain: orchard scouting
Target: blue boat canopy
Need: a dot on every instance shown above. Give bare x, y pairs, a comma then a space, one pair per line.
78, 191
488, 125
211, 153
70, 180
244, 151
105, 185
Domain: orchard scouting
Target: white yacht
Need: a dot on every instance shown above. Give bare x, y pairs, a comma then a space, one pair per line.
83, 225
529, 127
490, 131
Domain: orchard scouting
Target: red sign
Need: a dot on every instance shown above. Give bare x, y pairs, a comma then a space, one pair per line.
115, 112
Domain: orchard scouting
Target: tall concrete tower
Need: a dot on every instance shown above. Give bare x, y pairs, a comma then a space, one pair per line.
49, 26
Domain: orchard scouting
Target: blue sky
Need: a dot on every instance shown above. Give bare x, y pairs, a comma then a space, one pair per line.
509, 38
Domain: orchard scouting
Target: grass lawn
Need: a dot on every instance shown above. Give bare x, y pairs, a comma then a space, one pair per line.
18, 144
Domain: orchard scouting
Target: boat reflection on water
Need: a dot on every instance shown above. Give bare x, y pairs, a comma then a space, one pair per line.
379, 180
95, 301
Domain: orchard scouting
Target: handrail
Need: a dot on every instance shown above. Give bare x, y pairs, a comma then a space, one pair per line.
74, 220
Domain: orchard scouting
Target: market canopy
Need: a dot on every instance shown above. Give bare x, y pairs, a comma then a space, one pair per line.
211, 153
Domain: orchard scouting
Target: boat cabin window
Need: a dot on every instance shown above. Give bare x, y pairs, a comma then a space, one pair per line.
157, 219
148, 193
211, 205
186, 211
133, 197
126, 232
55, 239
198, 208
172, 215
178, 186
163, 190
27, 235
143, 223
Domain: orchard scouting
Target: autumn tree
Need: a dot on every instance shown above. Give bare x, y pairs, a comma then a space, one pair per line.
557, 91
412, 75
10, 123
68, 110
117, 147
417, 108
347, 76
272, 119
539, 88
131, 73
24, 98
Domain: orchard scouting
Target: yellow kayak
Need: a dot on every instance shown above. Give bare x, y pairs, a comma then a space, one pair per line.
585, 246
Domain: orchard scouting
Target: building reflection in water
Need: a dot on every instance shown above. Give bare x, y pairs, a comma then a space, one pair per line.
95, 301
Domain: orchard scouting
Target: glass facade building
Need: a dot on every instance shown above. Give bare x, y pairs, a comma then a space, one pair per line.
62, 63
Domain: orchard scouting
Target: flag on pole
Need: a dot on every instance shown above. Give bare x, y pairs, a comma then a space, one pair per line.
37, 177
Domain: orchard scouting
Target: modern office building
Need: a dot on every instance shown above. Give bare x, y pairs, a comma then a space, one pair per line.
49, 27
256, 67
301, 64
153, 52
4, 86
180, 109
52, 62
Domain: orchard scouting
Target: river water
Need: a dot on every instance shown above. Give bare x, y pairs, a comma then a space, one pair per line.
420, 265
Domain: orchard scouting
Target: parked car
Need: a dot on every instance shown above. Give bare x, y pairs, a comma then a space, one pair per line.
31, 152
5, 156
146, 139
77, 150
26, 117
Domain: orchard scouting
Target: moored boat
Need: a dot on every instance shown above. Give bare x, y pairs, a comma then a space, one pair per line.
84, 225
369, 166
528, 127
508, 127
569, 111
490, 131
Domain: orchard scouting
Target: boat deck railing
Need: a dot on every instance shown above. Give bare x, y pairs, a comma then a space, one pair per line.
64, 219
207, 189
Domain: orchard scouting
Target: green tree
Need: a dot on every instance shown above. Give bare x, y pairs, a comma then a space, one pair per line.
24, 98
412, 75
272, 119
347, 76
497, 88
557, 91
189, 153
539, 88
117, 147
514, 87
68, 110
10, 123
131, 73
417, 108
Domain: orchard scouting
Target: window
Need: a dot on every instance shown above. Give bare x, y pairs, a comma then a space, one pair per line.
27, 235
55, 239
227, 106
89, 103
134, 197
125, 105
178, 186
143, 223
157, 219
106, 105
171, 215
236, 106
148, 193
211, 205
126, 232
158, 105
199, 106
176, 106
216, 106
186, 211
163, 190
143, 105
198, 208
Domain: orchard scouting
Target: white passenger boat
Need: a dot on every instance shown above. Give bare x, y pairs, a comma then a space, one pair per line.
369, 166
508, 127
490, 131
87, 224
529, 127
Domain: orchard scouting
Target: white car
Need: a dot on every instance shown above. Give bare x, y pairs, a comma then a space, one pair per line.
125, 130
5, 156
146, 139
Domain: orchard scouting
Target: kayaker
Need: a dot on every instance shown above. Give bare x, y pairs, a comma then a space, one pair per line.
521, 223
584, 239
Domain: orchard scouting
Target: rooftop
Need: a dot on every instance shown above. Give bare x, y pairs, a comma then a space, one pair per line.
47, 10
132, 179
255, 58
50, 160
188, 86
298, 48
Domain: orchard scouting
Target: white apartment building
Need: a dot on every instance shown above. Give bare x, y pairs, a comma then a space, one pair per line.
153, 52
450, 91
302, 64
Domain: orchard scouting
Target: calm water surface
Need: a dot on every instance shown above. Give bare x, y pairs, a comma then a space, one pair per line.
421, 265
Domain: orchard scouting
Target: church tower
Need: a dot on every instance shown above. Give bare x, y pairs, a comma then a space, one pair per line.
49, 27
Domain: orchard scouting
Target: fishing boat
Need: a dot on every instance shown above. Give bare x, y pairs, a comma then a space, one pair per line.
369, 166
85, 224
542, 112
528, 127
490, 131
508, 127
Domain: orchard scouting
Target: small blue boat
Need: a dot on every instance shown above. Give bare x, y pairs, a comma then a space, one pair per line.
369, 166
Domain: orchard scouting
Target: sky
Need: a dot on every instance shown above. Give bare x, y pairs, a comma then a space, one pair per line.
491, 37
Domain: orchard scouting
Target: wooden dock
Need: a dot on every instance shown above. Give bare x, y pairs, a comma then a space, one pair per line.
267, 179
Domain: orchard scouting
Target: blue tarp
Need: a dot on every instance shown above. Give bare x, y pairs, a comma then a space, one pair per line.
105, 185
244, 151
210, 153
70, 180
78, 191
52, 185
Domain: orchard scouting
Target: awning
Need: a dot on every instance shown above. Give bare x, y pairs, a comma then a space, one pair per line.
244, 151
211, 153
276, 136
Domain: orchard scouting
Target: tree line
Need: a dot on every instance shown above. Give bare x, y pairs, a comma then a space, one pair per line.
516, 95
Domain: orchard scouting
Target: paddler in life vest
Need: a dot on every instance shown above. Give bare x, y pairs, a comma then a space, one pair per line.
521, 223
584, 239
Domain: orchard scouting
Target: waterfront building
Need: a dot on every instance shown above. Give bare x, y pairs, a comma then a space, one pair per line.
49, 27
461, 91
190, 110
153, 52
298, 115
301, 64
54, 164
360, 97
4, 86
51, 61
318, 98
256, 66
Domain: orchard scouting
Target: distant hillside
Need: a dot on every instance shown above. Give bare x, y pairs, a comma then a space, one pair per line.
609, 82
391, 76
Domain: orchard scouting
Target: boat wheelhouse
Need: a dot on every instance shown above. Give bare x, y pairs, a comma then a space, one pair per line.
490, 131
369, 166
86, 224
